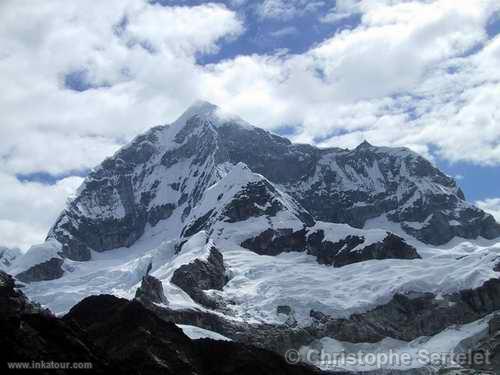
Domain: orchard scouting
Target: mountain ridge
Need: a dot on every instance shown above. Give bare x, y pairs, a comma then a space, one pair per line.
335, 185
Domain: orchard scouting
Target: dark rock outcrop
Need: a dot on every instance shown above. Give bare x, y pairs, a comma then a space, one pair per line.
196, 277
151, 290
341, 253
138, 339
48, 270
112, 335
287, 311
32, 334
8, 255
407, 317
490, 347
274, 242
258, 199
13, 302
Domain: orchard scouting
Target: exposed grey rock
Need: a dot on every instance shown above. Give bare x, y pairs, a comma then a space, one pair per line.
407, 317
151, 290
286, 310
13, 302
8, 255
318, 316
486, 349
494, 325
340, 254
283, 309
48, 270
257, 199
196, 277
110, 188
274, 242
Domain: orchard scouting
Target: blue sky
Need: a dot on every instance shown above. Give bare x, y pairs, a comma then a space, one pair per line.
81, 79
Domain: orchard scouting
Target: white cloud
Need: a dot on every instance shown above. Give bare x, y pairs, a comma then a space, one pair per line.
342, 9
140, 88
28, 209
182, 30
287, 9
491, 206
403, 76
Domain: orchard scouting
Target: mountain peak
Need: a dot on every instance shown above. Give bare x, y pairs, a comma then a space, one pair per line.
198, 108
364, 145
206, 110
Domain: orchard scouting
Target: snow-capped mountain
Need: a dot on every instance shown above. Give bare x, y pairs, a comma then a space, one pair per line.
163, 174
272, 243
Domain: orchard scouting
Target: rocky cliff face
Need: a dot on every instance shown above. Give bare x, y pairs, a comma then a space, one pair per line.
164, 173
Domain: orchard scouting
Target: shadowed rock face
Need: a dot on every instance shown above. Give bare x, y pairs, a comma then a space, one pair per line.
259, 199
151, 290
30, 333
489, 345
196, 277
407, 317
341, 253
13, 302
49, 270
140, 340
274, 242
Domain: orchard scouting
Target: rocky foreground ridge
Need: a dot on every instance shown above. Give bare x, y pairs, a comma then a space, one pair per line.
117, 335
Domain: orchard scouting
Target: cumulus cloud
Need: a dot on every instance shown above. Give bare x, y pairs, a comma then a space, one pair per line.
287, 9
342, 9
28, 209
418, 74
79, 79
491, 206
139, 64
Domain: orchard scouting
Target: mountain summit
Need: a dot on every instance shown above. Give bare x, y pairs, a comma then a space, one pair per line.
163, 174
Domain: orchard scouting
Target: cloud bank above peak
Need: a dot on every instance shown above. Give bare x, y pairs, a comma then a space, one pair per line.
79, 79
